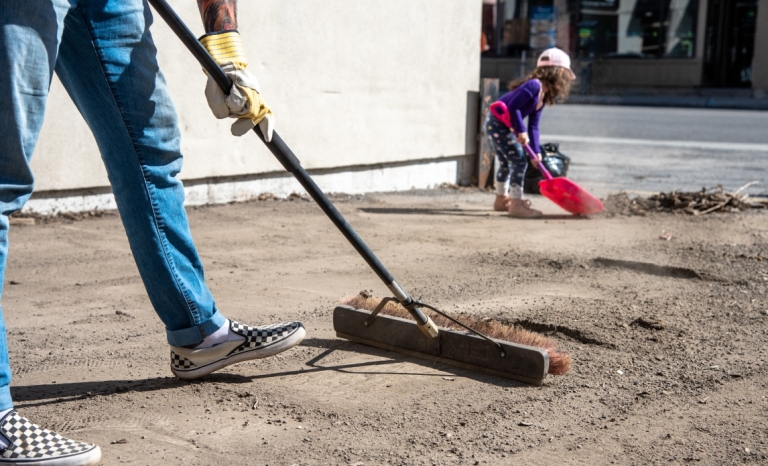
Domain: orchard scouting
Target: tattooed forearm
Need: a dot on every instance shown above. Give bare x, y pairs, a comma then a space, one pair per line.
218, 15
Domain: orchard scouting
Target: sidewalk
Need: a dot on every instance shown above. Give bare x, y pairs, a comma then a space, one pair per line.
666, 100
90, 358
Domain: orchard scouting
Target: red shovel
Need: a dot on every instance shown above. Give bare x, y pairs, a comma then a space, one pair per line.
561, 191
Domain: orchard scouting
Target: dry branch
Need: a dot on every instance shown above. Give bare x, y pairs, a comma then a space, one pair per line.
690, 202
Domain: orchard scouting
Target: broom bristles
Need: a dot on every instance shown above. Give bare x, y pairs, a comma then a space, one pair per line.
559, 361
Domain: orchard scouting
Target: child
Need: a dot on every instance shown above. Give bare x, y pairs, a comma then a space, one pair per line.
549, 81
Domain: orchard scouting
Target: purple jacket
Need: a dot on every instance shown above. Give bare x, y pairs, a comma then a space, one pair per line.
522, 102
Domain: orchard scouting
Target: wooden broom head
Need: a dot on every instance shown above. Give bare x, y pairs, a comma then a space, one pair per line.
559, 361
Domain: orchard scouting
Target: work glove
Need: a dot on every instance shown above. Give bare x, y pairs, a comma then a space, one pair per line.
244, 101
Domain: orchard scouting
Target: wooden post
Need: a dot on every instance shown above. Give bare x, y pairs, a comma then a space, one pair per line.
490, 93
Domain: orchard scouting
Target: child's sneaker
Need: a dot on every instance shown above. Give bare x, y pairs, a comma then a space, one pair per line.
501, 203
256, 343
521, 208
32, 445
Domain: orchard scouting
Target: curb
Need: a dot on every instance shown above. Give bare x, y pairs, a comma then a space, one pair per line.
671, 101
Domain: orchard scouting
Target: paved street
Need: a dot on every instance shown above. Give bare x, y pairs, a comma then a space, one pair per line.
651, 149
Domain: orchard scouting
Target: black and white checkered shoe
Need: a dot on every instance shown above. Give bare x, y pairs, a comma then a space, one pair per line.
32, 445
260, 342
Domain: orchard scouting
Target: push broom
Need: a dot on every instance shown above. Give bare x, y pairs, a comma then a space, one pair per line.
467, 348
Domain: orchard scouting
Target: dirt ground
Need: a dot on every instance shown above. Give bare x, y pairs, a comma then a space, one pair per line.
665, 316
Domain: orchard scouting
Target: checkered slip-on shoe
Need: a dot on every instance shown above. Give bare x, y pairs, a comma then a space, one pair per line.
260, 342
32, 445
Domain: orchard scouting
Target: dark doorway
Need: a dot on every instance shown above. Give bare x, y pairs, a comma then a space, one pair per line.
730, 43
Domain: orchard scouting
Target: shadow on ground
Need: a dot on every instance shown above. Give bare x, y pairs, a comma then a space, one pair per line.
459, 213
26, 396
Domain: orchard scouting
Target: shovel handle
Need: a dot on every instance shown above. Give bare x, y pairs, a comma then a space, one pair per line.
540, 165
501, 112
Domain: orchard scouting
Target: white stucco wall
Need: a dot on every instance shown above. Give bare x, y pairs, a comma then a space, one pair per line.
351, 82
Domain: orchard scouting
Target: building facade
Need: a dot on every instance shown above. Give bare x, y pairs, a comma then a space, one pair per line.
633, 43
371, 96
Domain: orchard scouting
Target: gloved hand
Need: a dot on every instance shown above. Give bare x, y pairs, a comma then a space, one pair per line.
244, 101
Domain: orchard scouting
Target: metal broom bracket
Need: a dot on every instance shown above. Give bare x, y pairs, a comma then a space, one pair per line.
432, 308
417, 303
378, 309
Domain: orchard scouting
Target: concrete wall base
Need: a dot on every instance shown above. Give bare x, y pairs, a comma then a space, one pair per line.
350, 180
668, 72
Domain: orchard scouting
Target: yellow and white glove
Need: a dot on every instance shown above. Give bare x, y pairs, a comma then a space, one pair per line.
244, 101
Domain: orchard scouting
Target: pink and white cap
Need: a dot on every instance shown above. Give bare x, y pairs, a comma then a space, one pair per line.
555, 57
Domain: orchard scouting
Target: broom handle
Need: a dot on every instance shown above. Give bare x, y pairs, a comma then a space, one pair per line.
291, 163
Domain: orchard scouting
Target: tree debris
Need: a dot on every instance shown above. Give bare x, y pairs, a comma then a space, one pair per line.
703, 202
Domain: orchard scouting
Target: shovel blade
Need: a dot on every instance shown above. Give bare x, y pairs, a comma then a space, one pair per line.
570, 196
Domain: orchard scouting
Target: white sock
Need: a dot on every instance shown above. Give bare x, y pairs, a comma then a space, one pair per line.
502, 188
4, 441
222, 335
515, 191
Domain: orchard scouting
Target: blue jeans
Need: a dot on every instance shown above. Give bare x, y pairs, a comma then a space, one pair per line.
512, 162
104, 55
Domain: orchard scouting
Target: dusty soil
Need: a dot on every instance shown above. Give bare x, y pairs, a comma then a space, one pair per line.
665, 316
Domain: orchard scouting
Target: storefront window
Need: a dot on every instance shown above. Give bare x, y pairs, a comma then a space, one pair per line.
639, 28
681, 32
514, 27
729, 42
591, 28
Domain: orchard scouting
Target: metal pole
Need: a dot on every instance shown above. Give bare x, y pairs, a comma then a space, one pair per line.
499, 25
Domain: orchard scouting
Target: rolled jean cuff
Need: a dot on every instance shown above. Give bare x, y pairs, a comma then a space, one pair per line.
194, 335
5, 398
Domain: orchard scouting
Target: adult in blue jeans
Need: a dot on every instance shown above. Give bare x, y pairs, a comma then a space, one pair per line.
103, 53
